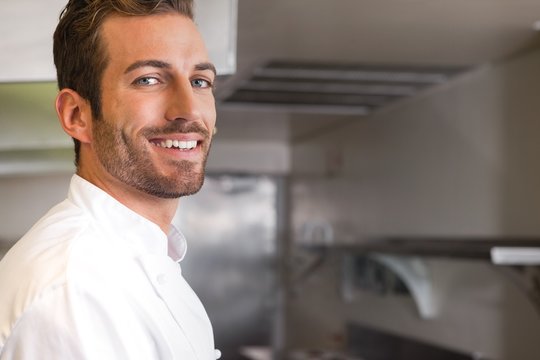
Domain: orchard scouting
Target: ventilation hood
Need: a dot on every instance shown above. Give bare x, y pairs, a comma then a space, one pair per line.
333, 88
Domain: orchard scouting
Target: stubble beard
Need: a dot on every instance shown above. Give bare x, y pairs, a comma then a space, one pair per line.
129, 161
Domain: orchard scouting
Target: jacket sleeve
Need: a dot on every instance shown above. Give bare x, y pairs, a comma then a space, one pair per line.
73, 324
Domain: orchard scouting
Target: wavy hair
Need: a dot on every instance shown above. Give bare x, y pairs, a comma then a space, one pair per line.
79, 54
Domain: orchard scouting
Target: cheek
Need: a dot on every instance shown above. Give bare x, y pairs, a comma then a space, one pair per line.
135, 114
209, 112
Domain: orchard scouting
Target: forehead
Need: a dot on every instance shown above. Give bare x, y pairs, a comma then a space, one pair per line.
169, 37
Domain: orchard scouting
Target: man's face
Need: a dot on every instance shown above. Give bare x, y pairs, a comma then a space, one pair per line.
158, 109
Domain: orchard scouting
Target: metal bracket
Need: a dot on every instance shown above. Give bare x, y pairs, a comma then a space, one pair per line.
414, 273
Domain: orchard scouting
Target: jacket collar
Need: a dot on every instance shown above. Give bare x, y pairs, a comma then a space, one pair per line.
136, 233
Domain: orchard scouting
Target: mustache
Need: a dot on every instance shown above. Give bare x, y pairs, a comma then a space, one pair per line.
175, 127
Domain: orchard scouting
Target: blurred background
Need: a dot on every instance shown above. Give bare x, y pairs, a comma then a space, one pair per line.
373, 192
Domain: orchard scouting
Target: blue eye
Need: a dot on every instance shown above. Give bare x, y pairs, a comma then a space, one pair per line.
147, 81
201, 83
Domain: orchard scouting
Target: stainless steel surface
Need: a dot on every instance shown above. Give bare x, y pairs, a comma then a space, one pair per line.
231, 230
340, 86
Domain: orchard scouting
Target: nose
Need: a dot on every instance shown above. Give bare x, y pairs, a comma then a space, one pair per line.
182, 103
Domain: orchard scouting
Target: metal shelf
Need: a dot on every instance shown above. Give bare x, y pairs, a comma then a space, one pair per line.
458, 247
517, 257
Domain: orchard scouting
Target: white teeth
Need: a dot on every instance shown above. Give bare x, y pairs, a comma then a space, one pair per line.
183, 145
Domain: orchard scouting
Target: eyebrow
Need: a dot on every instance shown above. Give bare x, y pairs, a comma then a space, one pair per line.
206, 66
165, 65
150, 63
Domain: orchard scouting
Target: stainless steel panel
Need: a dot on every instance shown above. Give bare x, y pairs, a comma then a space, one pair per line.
231, 230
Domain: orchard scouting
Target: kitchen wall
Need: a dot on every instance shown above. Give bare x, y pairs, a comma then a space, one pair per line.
25, 199
459, 160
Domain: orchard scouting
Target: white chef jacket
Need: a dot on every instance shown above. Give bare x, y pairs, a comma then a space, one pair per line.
94, 280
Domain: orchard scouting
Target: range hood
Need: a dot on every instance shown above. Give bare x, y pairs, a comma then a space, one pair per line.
337, 88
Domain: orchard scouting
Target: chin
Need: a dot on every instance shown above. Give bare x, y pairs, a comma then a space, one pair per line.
181, 188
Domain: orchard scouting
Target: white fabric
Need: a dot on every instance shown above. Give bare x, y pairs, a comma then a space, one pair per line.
94, 280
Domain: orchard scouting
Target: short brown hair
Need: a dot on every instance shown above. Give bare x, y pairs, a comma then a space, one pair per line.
79, 54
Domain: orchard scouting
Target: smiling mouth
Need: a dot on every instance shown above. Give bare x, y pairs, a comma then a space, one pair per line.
176, 144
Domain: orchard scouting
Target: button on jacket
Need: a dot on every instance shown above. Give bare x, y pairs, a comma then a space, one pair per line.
94, 280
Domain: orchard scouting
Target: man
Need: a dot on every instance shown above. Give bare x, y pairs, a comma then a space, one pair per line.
98, 276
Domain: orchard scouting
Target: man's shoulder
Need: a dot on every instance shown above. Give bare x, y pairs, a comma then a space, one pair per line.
49, 239
52, 256
62, 218
39, 263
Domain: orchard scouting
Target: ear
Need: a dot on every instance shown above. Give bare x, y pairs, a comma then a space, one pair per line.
75, 115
